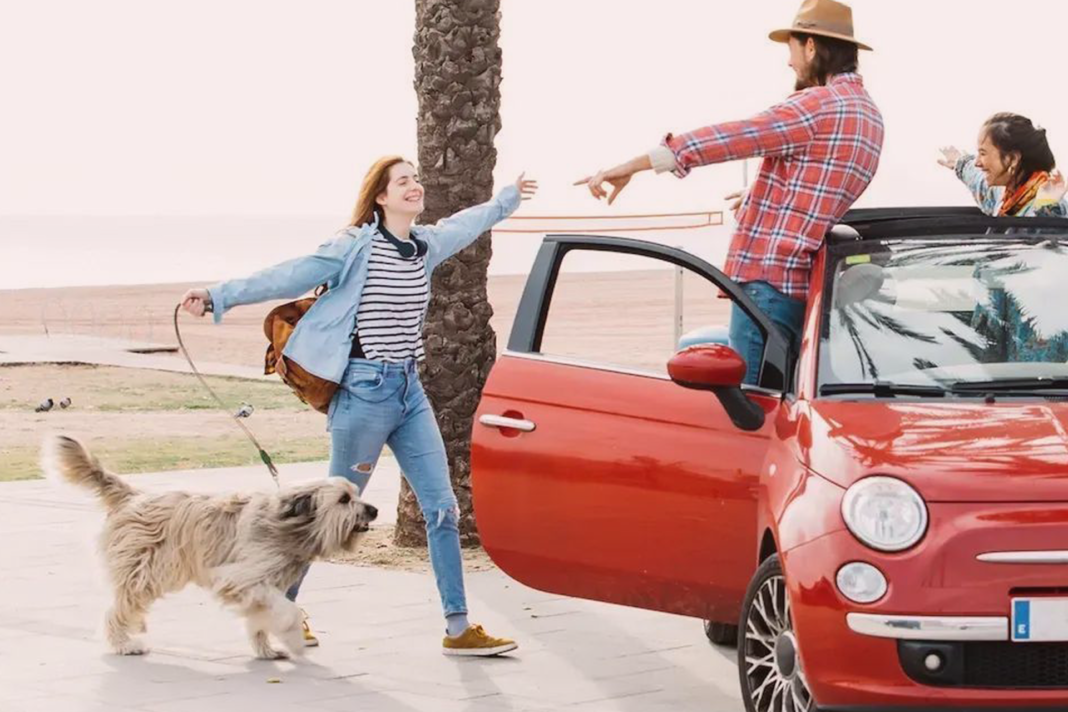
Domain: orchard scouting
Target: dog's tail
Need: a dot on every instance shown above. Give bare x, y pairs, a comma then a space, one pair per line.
67, 459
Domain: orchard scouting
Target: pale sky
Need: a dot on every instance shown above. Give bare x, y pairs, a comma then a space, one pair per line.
271, 109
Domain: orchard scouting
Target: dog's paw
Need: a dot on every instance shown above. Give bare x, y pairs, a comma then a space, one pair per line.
269, 653
132, 647
263, 650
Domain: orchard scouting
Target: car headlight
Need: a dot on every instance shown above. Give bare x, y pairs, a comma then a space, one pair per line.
861, 582
885, 513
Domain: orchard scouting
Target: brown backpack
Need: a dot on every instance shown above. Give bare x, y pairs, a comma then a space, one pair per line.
278, 327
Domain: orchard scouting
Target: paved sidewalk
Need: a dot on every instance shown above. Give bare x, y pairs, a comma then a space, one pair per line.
99, 351
380, 633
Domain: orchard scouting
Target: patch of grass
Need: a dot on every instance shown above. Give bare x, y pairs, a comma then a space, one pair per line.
156, 455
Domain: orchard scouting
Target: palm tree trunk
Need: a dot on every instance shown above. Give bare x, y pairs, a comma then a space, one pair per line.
457, 79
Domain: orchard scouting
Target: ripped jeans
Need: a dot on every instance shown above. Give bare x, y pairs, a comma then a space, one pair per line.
382, 403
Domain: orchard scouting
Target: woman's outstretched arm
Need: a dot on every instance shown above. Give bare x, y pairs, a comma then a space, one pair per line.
452, 234
287, 280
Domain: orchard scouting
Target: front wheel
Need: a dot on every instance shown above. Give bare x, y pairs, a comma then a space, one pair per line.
769, 666
721, 633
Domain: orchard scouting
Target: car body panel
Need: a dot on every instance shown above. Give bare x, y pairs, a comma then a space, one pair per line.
654, 481
953, 450
941, 575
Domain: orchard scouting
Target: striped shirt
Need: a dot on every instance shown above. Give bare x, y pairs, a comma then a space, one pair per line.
389, 320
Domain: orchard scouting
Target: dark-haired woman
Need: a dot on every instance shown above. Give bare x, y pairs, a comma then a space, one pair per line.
1012, 173
366, 333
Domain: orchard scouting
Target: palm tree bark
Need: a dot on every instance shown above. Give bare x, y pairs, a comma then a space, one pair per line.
457, 80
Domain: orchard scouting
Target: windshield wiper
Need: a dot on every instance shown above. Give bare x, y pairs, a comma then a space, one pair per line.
883, 389
1037, 383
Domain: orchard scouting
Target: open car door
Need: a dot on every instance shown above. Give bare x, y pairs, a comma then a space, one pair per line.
612, 483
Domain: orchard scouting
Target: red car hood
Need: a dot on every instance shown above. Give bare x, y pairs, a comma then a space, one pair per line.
950, 451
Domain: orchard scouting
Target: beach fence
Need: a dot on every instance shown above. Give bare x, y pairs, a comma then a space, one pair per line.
617, 224
574, 224
142, 324
84, 317
614, 224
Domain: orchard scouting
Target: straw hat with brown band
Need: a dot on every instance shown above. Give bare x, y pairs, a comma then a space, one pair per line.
824, 18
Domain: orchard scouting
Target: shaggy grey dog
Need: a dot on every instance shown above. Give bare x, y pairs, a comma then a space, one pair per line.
245, 549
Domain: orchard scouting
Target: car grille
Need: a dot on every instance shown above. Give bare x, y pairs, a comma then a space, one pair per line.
988, 664
1016, 664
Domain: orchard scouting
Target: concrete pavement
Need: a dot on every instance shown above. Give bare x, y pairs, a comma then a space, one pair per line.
380, 631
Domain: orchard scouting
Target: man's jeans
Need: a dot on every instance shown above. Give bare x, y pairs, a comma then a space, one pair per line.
745, 338
383, 403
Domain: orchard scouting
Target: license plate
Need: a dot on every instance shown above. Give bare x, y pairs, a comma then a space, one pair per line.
1036, 620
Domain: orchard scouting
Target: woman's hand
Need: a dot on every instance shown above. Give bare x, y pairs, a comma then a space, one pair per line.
617, 177
527, 188
196, 301
1053, 189
950, 156
738, 197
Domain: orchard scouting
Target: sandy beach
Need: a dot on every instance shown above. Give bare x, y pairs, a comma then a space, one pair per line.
615, 313
145, 313
153, 420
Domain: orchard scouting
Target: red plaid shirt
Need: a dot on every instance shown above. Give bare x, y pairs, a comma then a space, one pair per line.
821, 148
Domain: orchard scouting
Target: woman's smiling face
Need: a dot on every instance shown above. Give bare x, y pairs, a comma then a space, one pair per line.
404, 192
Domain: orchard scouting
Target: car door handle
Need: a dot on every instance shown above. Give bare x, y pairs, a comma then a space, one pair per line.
499, 421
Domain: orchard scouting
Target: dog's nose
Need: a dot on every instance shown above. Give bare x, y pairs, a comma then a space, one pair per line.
371, 510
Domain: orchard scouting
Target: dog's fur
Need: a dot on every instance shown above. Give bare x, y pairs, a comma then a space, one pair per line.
245, 549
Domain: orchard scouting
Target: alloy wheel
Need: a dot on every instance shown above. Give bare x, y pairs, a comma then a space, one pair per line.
775, 680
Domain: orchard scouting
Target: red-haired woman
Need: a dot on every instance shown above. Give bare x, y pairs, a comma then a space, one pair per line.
365, 333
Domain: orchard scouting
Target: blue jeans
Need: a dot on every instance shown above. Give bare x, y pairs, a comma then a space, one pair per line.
384, 403
745, 338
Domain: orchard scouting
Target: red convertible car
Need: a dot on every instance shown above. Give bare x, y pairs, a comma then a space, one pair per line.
881, 523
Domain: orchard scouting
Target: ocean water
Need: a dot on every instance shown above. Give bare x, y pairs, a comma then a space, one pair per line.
38, 252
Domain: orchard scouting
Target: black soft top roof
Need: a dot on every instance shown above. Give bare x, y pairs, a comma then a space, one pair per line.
953, 221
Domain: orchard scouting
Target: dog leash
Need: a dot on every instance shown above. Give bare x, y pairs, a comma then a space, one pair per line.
222, 406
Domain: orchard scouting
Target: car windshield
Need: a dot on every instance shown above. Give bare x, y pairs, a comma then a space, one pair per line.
945, 312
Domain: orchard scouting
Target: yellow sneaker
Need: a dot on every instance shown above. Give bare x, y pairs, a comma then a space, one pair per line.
310, 641
476, 642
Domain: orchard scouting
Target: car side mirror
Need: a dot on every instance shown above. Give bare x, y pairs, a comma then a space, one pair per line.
717, 368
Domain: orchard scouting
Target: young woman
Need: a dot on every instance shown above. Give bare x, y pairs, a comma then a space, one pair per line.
1012, 173
365, 333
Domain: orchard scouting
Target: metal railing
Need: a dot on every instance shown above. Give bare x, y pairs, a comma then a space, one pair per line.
711, 218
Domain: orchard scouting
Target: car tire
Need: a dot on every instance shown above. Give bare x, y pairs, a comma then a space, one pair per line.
722, 633
769, 667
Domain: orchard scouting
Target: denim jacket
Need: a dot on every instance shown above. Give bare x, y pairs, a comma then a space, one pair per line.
989, 198
321, 341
